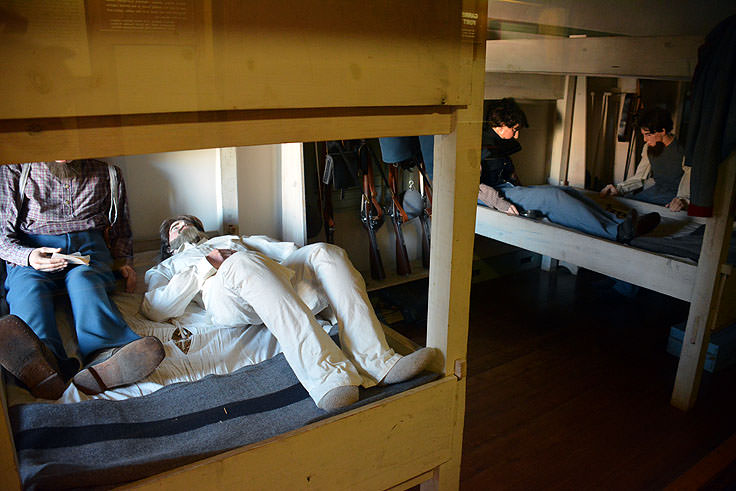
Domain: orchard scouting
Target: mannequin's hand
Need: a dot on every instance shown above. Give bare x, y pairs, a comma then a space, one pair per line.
218, 256
609, 190
677, 204
40, 259
130, 278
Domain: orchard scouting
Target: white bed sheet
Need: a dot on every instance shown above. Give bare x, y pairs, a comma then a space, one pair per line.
195, 348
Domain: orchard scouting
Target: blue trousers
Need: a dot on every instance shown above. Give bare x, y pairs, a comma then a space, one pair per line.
31, 295
400, 148
564, 206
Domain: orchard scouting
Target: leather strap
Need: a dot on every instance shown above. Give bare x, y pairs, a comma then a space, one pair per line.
97, 378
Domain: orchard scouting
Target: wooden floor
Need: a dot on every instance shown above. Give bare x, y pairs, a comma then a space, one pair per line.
569, 388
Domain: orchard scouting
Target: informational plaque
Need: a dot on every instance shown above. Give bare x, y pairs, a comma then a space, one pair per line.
175, 17
53, 31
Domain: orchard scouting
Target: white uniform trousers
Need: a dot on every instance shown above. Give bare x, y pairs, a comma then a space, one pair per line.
250, 288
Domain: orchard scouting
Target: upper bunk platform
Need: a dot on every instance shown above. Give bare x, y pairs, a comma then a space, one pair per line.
666, 57
99, 82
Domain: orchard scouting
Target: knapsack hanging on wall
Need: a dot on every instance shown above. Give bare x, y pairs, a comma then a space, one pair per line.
346, 163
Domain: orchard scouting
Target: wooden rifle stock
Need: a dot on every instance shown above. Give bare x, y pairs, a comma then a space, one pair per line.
398, 217
425, 239
371, 221
425, 217
377, 271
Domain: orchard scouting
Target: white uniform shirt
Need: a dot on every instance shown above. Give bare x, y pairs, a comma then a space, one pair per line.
184, 277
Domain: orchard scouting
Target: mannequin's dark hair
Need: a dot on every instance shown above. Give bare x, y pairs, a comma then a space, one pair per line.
656, 119
166, 225
505, 112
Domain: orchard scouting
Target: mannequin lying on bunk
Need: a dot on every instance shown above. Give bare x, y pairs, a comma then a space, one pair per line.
661, 178
500, 187
254, 280
68, 207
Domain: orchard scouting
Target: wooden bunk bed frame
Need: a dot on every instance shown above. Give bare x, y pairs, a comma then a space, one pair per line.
705, 285
245, 73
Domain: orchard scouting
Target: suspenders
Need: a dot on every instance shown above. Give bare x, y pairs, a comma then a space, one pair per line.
112, 215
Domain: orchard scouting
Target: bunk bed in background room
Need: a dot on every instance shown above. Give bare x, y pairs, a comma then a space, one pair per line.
707, 282
226, 74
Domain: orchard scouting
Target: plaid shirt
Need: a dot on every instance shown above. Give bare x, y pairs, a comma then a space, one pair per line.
54, 207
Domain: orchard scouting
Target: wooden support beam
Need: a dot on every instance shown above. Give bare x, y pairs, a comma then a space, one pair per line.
107, 136
293, 200
563, 134
672, 57
227, 190
575, 172
703, 312
456, 177
9, 476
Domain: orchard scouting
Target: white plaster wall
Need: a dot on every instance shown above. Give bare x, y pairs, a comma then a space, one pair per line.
532, 162
164, 184
259, 191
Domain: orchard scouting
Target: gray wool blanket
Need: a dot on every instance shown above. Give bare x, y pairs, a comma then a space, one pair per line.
99, 443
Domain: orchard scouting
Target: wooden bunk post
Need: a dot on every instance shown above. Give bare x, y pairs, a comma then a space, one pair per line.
456, 177
9, 477
703, 312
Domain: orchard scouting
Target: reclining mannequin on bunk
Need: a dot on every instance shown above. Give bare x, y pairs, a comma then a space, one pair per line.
67, 207
661, 178
500, 187
255, 280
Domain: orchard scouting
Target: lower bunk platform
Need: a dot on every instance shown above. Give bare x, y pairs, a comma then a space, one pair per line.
219, 389
103, 442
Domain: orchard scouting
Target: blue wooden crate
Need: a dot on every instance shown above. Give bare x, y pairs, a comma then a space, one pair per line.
721, 351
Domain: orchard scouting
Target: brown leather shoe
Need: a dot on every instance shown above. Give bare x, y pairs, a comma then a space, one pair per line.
29, 360
127, 365
635, 225
646, 224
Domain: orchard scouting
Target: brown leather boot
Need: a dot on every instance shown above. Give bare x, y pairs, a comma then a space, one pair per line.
25, 356
127, 365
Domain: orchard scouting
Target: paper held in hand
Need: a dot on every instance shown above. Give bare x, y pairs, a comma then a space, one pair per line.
74, 258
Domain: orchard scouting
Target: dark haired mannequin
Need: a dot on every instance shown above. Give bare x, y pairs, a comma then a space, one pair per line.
661, 178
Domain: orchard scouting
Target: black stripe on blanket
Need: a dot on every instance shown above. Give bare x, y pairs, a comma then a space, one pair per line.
71, 436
